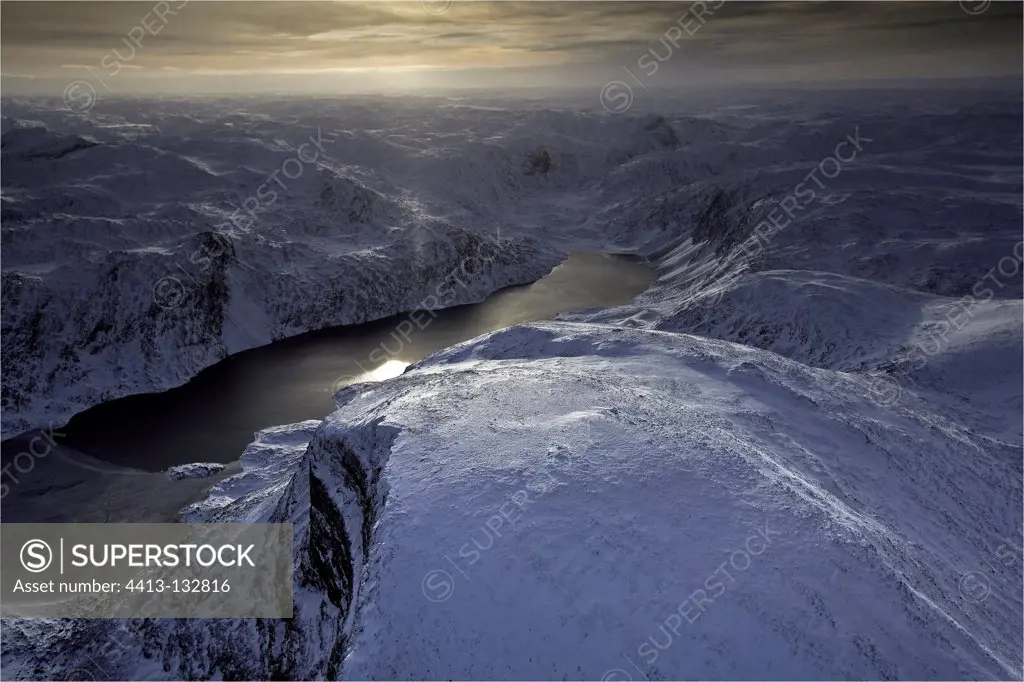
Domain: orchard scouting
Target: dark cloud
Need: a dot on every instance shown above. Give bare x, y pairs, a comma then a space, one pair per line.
487, 43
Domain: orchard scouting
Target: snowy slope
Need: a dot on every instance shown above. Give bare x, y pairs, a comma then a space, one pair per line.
692, 447
845, 386
130, 262
541, 501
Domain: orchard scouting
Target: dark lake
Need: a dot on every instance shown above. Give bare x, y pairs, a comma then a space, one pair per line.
213, 417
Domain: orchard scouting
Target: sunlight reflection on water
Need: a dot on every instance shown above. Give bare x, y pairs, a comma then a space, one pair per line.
389, 370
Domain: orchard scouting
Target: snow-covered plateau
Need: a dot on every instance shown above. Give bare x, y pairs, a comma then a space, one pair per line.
796, 456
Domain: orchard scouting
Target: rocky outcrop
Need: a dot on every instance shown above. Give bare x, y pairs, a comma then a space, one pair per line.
332, 495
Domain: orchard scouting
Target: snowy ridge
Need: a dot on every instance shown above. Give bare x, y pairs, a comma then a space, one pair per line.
690, 447
266, 463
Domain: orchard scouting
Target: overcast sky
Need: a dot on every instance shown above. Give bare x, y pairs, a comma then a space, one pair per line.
207, 46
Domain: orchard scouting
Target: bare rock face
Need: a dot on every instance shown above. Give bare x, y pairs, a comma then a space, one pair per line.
333, 498
662, 131
537, 163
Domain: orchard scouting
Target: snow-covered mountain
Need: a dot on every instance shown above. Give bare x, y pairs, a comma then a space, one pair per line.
798, 455
143, 243
551, 501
